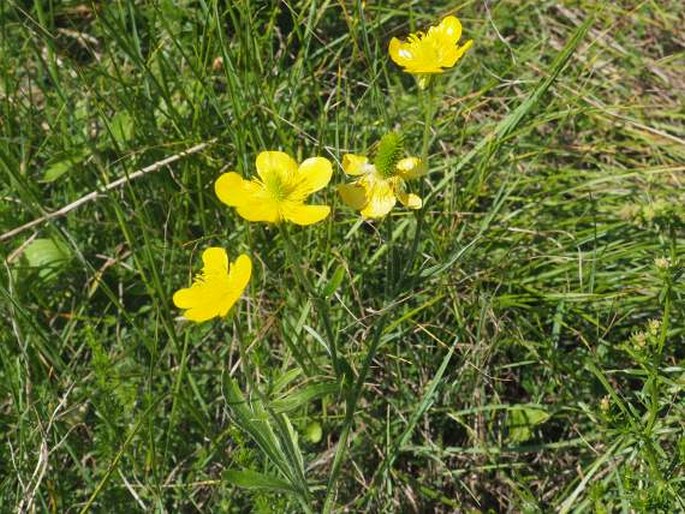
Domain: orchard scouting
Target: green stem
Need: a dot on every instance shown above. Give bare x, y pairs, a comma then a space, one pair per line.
429, 111
322, 305
352, 401
429, 114
242, 352
661, 342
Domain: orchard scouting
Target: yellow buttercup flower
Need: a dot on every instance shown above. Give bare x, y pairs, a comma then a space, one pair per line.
431, 52
216, 288
280, 191
375, 193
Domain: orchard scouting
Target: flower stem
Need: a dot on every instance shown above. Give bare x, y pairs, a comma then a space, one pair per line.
429, 109
322, 306
355, 393
657, 358
350, 409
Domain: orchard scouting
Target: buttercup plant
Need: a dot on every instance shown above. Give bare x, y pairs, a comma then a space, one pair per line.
433, 52
279, 192
216, 288
497, 325
382, 183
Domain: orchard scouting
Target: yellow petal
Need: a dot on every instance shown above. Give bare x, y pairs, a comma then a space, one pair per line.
450, 27
410, 167
215, 261
275, 166
304, 214
353, 195
451, 57
184, 298
355, 164
230, 189
381, 200
249, 197
400, 52
201, 300
217, 289
410, 200
313, 174
238, 278
264, 209
240, 272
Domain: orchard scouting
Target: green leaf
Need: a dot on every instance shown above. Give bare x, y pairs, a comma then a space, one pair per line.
253, 418
272, 432
522, 420
282, 381
65, 164
334, 282
304, 396
47, 255
249, 479
122, 127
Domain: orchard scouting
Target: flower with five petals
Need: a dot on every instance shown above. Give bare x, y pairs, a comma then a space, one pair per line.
375, 193
279, 192
216, 288
432, 52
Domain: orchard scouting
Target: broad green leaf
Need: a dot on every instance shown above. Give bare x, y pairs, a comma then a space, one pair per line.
47, 255
122, 127
522, 420
59, 167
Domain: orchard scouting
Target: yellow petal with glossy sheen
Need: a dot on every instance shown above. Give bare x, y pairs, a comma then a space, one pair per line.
353, 195
184, 298
458, 52
410, 167
230, 189
401, 53
263, 209
201, 300
238, 278
240, 272
313, 174
450, 27
214, 292
279, 165
354, 164
215, 261
305, 214
381, 200
410, 200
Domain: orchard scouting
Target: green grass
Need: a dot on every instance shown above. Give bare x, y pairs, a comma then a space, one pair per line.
515, 346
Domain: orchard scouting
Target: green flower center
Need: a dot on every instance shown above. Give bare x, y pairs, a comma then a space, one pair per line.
277, 187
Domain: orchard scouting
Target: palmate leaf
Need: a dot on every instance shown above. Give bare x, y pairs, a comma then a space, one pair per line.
274, 435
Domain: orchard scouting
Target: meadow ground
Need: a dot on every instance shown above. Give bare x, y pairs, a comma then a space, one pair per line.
516, 345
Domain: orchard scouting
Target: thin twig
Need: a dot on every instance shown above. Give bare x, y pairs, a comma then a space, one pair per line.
112, 185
